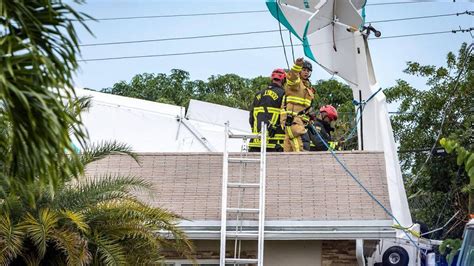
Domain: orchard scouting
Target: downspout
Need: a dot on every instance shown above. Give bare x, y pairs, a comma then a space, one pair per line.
360, 252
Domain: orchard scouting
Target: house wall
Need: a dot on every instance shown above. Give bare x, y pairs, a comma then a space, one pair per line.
338, 253
282, 253
296, 253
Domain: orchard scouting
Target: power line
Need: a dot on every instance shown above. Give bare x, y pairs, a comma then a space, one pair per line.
281, 37
425, 33
181, 15
237, 12
181, 38
405, 2
256, 32
254, 48
185, 53
423, 17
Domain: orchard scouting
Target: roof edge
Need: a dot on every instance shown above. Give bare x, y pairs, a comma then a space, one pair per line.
298, 230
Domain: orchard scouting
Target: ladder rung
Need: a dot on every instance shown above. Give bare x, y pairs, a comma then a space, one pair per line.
243, 185
244, 160
244, 136
247, 210
240, 261
245, 235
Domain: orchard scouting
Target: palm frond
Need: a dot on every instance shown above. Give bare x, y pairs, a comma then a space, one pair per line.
77, 219
72, 245
160, 223
79, 105
11, 240
120, 230
40, 46
91, 191
40, 229
30, 259
142, 253
97, 151
107, 251
133, 209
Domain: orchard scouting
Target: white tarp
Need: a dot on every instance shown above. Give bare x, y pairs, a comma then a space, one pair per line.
218, 115
155, 127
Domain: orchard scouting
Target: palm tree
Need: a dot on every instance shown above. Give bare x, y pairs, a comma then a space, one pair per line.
49, 212
38, 49
95, 220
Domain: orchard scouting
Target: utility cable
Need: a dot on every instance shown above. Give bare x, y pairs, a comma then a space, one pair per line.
421, 34
181, 38
404, 229
281, 37
250, 48
292, 47
233, 12
258, 32
180, 15
423, 17
406, 2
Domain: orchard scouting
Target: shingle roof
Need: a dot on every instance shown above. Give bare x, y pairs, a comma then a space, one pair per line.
300, 187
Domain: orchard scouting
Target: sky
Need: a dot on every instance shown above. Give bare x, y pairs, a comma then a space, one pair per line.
389, 56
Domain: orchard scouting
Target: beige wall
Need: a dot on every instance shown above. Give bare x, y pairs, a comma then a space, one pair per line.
294, 253
338, 253
284, 253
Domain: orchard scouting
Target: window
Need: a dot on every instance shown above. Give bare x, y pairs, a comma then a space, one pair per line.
467, 252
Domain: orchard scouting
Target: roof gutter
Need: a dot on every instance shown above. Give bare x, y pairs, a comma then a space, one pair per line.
297, 230
298, 235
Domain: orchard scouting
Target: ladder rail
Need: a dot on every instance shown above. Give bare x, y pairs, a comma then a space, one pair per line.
242, 185
225, 168
263, 172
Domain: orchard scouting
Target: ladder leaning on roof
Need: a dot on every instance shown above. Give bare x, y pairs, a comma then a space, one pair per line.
239, 233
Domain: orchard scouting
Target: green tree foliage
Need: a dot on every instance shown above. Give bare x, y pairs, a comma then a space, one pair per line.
178, 89
96, 220
435, 188
38, 47
466, 158
450, 248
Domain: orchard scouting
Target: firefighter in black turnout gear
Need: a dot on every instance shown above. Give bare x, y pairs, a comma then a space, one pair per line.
322, 125
266, 108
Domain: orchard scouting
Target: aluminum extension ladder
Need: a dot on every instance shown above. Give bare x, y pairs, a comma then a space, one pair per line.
239, 233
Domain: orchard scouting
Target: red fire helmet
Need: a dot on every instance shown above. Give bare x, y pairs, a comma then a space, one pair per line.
278, 74
330, 110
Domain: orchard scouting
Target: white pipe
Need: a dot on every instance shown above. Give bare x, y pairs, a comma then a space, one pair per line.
360, 252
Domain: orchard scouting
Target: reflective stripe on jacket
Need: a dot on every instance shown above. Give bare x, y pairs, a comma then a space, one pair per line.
266, 108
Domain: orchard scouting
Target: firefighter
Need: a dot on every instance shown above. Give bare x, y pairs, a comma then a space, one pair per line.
266, 108
297, 103
322, 125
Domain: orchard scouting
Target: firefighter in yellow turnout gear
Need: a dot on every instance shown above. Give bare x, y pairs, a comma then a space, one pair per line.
266, 108
296, 105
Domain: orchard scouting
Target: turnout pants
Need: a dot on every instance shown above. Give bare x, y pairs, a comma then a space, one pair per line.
293, 133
